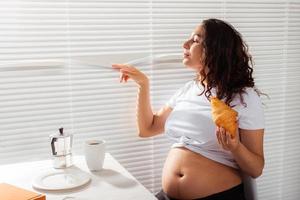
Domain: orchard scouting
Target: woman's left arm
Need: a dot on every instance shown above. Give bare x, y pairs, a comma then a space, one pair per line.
246, 148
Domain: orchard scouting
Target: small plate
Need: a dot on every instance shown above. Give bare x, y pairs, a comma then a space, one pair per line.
61, 179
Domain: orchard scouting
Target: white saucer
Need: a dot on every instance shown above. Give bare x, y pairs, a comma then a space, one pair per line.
61, 179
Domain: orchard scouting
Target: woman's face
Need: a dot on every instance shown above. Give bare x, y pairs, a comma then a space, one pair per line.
193, 50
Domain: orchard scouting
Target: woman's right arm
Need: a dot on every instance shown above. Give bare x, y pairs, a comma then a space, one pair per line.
149, 123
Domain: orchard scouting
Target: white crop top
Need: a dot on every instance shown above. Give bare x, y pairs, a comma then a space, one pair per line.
190, 123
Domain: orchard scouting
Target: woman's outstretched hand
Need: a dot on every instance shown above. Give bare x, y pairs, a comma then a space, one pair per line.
130, 72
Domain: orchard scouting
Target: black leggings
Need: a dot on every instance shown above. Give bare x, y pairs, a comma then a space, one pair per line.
235, 193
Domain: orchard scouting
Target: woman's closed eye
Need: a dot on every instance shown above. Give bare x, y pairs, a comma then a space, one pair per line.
196, 39
193, 40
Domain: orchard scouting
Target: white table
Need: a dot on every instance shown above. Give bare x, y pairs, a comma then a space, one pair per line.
114, 182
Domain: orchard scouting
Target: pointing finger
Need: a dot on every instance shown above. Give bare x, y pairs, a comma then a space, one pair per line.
118, 66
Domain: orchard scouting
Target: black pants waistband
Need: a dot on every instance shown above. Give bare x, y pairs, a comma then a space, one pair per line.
235, 193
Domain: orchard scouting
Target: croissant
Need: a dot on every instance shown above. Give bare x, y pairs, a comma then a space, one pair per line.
224, 116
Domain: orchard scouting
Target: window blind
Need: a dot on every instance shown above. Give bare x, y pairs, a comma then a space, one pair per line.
34, 94
101, 106
43, 88
290, 159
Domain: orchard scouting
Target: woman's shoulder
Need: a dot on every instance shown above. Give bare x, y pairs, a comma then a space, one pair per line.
251, 93
249, 96
250, 111
187, 85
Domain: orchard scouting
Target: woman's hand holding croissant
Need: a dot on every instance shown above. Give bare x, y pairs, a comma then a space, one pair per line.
226, 140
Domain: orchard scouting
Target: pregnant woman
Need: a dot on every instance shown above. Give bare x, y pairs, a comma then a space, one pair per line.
205, 162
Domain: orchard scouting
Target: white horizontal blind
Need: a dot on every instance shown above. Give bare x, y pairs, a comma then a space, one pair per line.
33, 99
33, 29
291, 158
109, 27
42, 89
36, 98
102, 107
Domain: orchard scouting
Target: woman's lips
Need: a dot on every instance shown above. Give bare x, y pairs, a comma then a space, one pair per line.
185, 55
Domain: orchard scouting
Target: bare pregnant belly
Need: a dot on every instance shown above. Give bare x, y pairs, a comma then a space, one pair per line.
188, 175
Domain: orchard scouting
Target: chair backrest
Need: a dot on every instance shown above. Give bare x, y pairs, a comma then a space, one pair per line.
250, 187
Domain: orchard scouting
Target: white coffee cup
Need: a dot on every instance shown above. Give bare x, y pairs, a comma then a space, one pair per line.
94, 151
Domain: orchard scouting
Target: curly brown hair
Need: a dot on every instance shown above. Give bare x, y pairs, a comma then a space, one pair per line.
228, 62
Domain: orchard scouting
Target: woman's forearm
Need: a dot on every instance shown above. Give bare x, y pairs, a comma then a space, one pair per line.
250, 163
144, 110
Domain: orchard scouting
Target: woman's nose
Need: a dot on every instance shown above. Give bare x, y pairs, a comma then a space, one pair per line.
186, 44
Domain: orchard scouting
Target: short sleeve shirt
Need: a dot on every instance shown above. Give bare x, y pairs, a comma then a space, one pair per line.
190, 123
